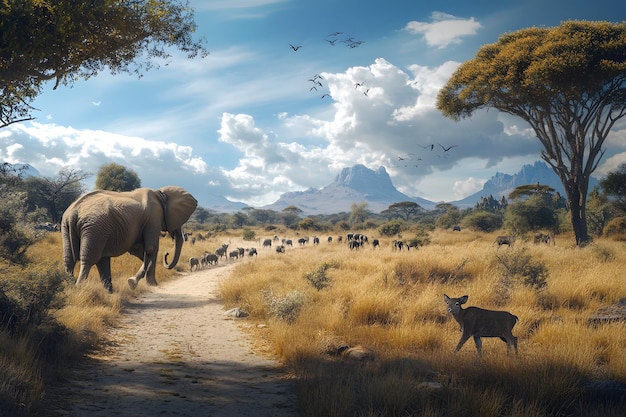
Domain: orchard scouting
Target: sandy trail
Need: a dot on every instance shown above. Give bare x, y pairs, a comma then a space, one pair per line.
176, 354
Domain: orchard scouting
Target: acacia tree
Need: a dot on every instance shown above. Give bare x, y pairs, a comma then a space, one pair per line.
68, 40
404, 209
568, 83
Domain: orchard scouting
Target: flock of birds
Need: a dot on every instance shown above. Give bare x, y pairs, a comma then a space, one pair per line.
332, 39
412, 159
317, 83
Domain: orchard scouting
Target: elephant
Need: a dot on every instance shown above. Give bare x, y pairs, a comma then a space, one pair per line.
103, 224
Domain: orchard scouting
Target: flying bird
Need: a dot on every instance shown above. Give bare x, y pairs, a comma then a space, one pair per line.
335, 34
331, 41
448, 148
295, 48
326, 95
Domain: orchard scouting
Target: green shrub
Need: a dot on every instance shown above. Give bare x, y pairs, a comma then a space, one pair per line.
248, 234
318, 278
391, 228
483, 221
519, 264
28, 294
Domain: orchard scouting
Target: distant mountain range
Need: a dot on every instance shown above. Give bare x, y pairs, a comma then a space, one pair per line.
360, 184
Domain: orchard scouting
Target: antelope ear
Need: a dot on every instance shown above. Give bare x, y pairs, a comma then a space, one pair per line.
446, 298
180, 206
463, 299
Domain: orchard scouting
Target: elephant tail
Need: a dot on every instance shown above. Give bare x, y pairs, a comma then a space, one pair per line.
71, 243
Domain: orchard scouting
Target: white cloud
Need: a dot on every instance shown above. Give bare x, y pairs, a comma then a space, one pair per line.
445, 29
467, 187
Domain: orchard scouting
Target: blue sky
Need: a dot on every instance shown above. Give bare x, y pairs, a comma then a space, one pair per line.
246, 124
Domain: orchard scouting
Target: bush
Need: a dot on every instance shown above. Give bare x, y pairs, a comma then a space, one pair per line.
616, 229
318, 278
285, 308
248, 234
27, 295
390, 228
519, 264
483, 221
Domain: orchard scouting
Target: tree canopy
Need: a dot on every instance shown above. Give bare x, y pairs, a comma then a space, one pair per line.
404, 209
116, 177
568, 83
614, 184
67, 40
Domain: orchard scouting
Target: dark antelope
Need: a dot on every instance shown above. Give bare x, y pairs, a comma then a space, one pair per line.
478, 323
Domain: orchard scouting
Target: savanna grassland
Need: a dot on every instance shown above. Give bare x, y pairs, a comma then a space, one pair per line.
366, 332
388, 307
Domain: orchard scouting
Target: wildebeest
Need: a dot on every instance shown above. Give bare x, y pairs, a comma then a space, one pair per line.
280, 249
194, 262
233, 255
505, 240
397, 244
354, 244
221, 251
288, 242
477, 322
543, 238
242, 251
211, 259
303, 241
456, 228
375, 243
316, 240
267, 243
252, 252
330, 239
411, 244
339, 239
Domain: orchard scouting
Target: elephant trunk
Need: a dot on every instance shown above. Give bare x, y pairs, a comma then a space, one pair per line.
178, 235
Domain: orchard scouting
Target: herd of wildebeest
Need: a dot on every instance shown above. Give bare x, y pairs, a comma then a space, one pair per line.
354, 241
474, 322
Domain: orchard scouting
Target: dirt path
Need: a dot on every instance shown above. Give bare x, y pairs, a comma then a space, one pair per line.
177, 354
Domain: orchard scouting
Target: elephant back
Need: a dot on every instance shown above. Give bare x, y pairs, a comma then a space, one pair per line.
179, 207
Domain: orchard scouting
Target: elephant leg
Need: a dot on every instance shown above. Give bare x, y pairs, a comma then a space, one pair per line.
85, 267
104, 268
138, 251
141, 273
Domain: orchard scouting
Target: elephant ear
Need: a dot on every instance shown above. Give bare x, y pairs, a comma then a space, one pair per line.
180, 205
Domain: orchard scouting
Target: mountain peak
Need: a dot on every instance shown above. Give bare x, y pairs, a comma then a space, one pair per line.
362, 179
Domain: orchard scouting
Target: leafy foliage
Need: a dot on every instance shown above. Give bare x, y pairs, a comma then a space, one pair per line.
567, 82
67, 40
535, 213
615, 185
404, 209
116, 177
483, 221
318, 278
391, 228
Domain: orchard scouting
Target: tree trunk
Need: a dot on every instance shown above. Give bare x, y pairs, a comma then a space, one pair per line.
576, 196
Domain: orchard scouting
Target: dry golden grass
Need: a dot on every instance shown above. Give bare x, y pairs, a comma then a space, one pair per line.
391, 303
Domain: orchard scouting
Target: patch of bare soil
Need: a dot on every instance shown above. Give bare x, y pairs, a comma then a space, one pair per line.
177, 354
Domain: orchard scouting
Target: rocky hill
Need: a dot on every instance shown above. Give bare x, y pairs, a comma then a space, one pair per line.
357, 184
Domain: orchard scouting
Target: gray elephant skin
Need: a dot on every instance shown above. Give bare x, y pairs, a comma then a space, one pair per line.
104, 224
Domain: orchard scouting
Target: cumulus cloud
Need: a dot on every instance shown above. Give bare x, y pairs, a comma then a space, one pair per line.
378, 115
444, 29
